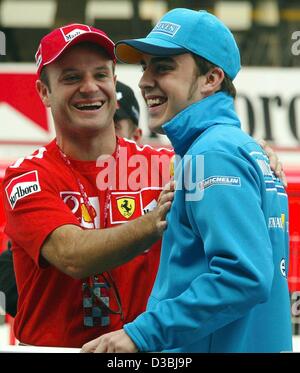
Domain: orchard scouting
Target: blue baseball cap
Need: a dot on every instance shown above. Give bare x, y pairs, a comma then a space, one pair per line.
184, 30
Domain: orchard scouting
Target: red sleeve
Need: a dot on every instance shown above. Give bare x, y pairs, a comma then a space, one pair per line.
33, 208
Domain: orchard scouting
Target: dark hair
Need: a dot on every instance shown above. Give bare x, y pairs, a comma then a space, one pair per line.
44, 78
204, 66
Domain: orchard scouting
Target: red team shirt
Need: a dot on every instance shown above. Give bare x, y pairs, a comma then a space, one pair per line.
41, 193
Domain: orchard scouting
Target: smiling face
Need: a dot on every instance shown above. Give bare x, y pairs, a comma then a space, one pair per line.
169, 85
81, 92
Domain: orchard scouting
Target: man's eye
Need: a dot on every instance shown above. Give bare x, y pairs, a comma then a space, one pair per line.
71, 78
101, 76
163, 68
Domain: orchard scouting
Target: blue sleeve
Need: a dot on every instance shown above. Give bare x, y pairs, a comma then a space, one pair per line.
230, 222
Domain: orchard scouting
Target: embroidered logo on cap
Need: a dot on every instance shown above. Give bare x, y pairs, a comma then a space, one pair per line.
69, 32
38, 57
71, 35
166, 28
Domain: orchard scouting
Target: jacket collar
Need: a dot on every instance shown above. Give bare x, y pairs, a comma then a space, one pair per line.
186, 126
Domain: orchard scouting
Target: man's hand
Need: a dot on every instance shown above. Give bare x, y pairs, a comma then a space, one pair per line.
164, 204
275, 164
117, 341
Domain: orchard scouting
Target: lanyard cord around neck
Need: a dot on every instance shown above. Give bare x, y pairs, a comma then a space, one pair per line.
83, 193
90, 281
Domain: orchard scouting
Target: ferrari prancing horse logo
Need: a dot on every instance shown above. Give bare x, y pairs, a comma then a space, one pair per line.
126, 206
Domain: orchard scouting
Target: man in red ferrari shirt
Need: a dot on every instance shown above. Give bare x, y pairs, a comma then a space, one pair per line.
126, 121
76, 279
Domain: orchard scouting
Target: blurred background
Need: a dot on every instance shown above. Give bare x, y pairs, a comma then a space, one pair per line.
267, 32
268, 101
262, 28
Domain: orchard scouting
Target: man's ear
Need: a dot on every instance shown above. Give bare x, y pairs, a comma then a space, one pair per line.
43, 92
213, 80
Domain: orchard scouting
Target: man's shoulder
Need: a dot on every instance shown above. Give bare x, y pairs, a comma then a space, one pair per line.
38, 162
223, 139
30, 175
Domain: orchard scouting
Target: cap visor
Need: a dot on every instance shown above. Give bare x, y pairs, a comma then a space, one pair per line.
130, 51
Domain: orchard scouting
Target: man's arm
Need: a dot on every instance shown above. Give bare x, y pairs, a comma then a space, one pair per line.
80, 253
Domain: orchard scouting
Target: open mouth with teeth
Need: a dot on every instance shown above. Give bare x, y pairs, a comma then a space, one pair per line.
88, 107
153, 102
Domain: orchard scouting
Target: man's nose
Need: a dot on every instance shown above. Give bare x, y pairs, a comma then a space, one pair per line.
89, 85
147, 79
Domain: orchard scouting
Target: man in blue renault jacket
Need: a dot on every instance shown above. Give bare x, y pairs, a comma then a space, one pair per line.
222, 280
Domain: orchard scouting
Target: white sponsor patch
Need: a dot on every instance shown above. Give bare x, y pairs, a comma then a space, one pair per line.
73, 34
167, 28
38, 57
282, 267
265, 167
151, 206
22, 186
276, 222
76, 204
220, 180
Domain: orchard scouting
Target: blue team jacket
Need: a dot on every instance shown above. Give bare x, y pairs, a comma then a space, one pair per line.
222, 279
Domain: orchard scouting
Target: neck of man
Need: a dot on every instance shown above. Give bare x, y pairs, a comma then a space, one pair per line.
88, 147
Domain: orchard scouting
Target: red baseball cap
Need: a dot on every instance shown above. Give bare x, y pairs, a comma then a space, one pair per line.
57, 41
